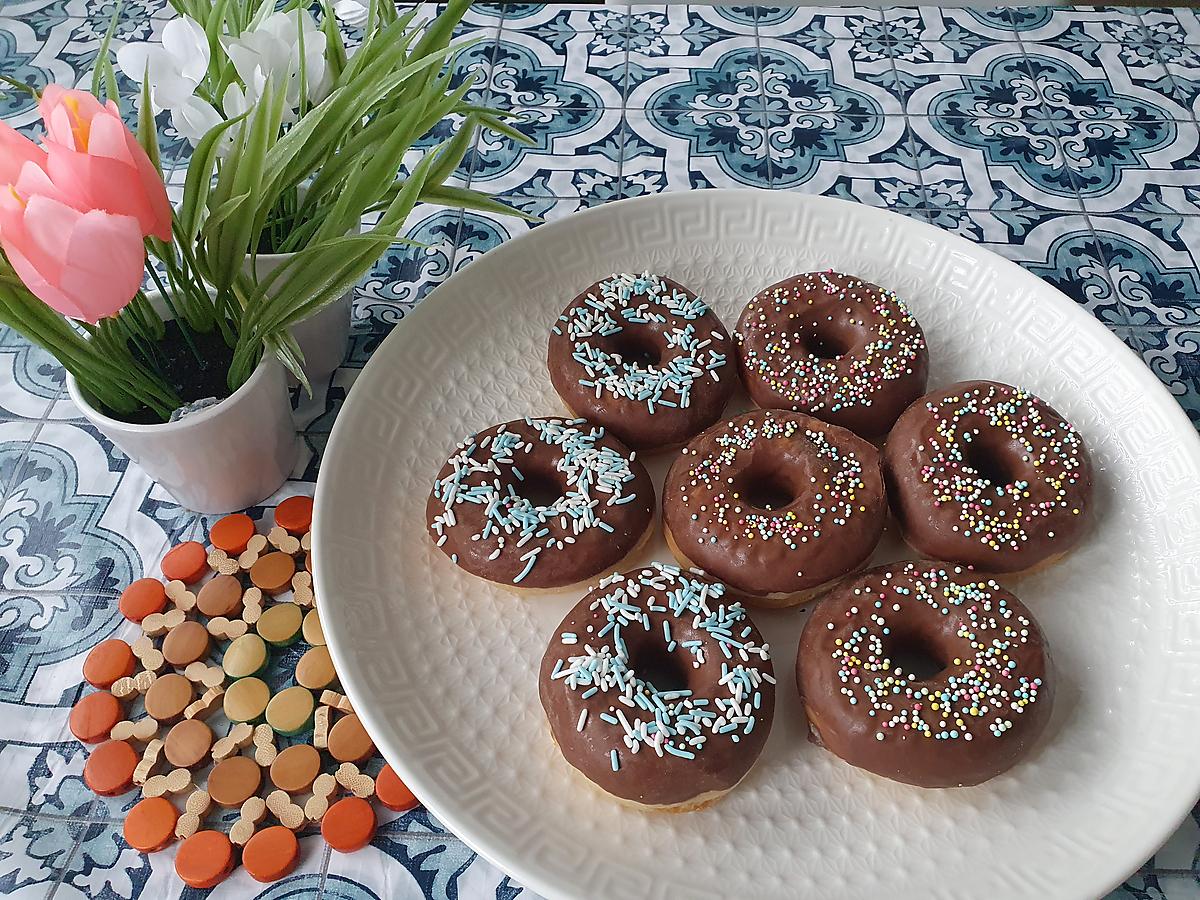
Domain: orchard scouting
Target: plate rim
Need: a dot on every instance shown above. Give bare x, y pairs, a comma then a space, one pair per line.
460, 825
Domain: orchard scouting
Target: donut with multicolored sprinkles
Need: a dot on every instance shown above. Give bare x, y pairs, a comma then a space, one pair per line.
833, 346
987, 474
540, 504
658, 689
926, 673
644, 357
775, 504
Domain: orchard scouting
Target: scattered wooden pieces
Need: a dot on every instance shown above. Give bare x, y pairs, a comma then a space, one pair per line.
220, 596
272, 573
253, 811
186, 644
150, 825
306, 542
394, 793
337, 701
108, 662
254, 548
349, 824
296, 768
109, 768
321, 718
302, 592
186, 562
252, 608
224, 629
288, 813
314, 670
179, 595
168, 697
144, 597
358, 783
203, 674
239, 736
271, 854
232, 533
312, 630
323, 789
246, 700
265, 750
149, 762
204, 859
142, 731
194, 810
148, 655
206, 705
233, 781
221, 562
177, 781
188, 744
282, 541
295, 514
158, 624
95, 716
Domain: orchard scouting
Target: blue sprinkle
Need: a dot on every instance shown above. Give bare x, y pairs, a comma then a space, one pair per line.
616, 763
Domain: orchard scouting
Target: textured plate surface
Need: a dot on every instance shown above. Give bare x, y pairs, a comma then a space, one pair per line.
443, 667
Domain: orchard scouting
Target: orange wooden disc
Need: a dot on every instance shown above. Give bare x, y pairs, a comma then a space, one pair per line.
108, 661
94, 716
168, 697
232, 533
233, 781
394, 793
109, 768
271, 854
273, 573
348, 825
185, 644
188, 743
186, 562
204, 860
142, 598
349, 741
150, 825
295, 514
220, 596
296, 768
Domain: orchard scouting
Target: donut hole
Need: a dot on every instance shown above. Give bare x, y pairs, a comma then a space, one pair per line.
999, 463
665, 671
764, 487
636, 348
915, 657
539, 488
825, 342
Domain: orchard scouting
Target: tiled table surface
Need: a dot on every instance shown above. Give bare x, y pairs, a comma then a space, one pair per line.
1065, 140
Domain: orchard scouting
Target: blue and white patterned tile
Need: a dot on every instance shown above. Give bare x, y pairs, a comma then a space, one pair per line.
33, 854
813, 25
31, 380
724, 76
558, 26
847, 76
411, 866
1110, 83
1173, 354
40, 771
990, 82
1183, 86
963, 30
660, 36
868, 159
669, 149
1154, 261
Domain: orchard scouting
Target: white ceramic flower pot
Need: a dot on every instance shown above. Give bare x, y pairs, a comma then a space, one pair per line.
223, 458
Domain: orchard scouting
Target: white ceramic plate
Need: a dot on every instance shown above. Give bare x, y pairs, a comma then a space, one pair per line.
443, 667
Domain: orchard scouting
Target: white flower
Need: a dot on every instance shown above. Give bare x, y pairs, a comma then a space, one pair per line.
352, 12
272, 49
174, 68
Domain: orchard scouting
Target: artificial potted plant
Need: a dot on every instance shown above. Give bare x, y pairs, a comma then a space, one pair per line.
186, 379
212, 65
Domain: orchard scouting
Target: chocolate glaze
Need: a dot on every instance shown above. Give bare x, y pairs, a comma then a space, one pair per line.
665, 594
995, 685
835, 347
717, 502
662, 379
536, 481
987, 474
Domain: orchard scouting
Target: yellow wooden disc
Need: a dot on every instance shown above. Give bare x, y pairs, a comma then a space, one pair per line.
246, 699
313, 633
315, 669
291, 710
245, 656
280, 624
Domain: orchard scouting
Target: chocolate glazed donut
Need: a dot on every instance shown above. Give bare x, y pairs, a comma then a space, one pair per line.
926, 673
658, 689
540, 503
987, 474
835, 347
644, 357
775, 504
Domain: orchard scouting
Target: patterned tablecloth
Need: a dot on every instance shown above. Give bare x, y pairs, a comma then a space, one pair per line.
1065, 140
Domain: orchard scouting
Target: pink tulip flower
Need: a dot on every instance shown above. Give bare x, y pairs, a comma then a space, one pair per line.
15, 151
95, 160
84, 264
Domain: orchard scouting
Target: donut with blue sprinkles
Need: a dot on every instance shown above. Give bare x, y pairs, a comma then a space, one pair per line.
659, 689
644, 357
540, 504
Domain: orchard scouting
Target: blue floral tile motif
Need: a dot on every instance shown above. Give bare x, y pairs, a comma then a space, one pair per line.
1152, 260
33, 853
801, 84
800, 144
1069, 94
673, 149
732, 83
1174, 356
